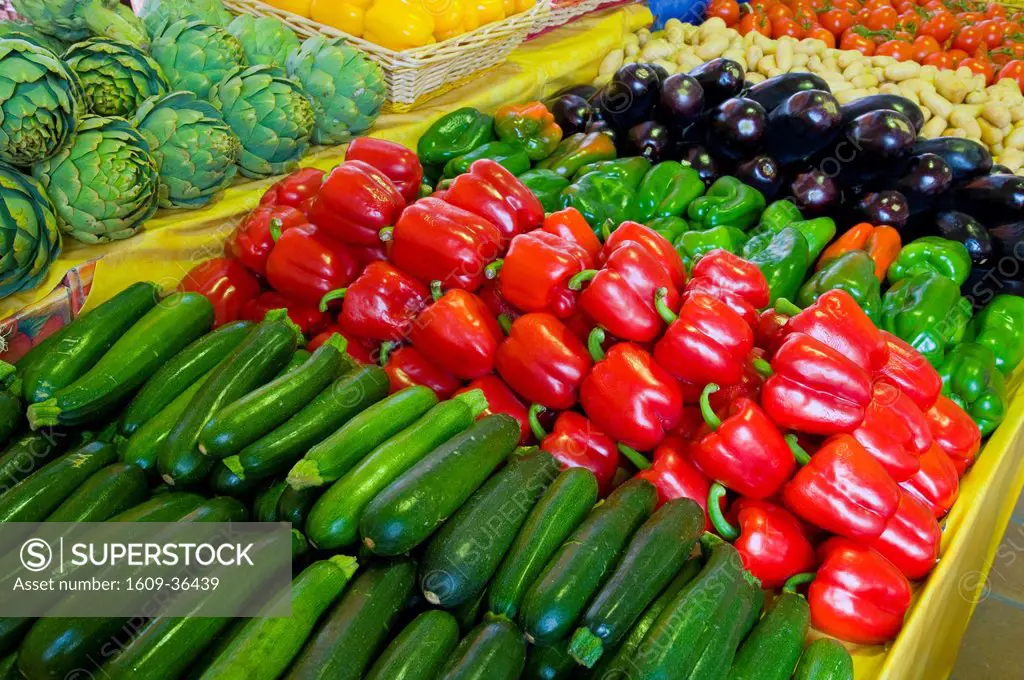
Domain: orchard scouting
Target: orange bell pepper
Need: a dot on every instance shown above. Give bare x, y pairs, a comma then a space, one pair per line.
882, 243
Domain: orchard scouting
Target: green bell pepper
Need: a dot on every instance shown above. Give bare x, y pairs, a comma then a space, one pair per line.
546, 185
669, 227
667, 190
819, 231
694, 245
779, 215
782, 258
529, 126
971, 379
927, 311
455, 134
600, 198
853, 272
630, 171
1000, 327
935, 254
512, 158
727, 201
578, 150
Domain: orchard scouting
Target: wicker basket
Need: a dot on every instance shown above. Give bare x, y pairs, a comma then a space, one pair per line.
562, 12
413, 76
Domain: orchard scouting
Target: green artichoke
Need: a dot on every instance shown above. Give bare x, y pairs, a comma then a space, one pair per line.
105, 184
271, 116
156, 14
40, 103
195, 149
25, 31
74, 20
346, 88
116, 77
266, 40
194, 56
29, 239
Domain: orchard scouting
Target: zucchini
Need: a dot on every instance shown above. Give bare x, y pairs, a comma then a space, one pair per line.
255, 361
294, 506
300, 546
556, 515
27, 453
334, 456
469, 613
110, 491
219, 644
225, 481
420, 650
264, 508
556, 600
9, 667
346, 397
11, 415
151, 342
12, 630
180, 373
334, 520
220, 509
494, 650
824, 659
167, 507
549, 662
464, 554
408, 511
247, 419
654, 556
358, 625
773, 648
83, 342
729, 628
42, 492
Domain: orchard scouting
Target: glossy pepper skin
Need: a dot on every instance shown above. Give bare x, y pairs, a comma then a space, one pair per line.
932, 254
399, 163
936, 484
843, 490
574, 441
778, 215
836, 319
782, 258
356, 201
970, 378
881, 243
512, 158
251, 241
535, 273
927, 311
501, 399
818, 231
669, 227
543, 361
570, 225
1000, 327
911, 538
226, 284
406, 367
909, 372
706, 342
770, 331
954, 432
895, 432
493, 193
629, 171
667, 190
356, 350
814, 388
653, 242
727, 202
458, 334
853, 273
296, 189
382, 303
453, 135
436, 241
305, 265
674, 476
600, 199
529, 126
308, 318
857, 596
692, 246
577, 150
546, 185
732, 273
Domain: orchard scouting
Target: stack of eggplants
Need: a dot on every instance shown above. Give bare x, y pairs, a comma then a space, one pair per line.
789, 137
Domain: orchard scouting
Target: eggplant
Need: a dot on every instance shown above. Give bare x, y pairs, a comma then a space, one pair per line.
681, 101
966, 158
884, 207
880, 137
999, 169
698, 157
958, 226
772, 92
927, 177
1008, 241
605, 127
884, 102
630, 97
984, 283
660, 70
720, 78
762, 173
650, 140
993, 198
585, 91
736, 127
815, 193
572, 113
802, 125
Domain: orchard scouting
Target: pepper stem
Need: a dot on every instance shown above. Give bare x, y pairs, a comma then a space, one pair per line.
718, 520
492, 270
538, 430
330, 296
635, 457
505, 323
577, 281
606, 229
802, 457
660, 304
276, 226
762, 367
385, 352
784, 306
386, 234
712, 420
594, 342
435, 290
798, 580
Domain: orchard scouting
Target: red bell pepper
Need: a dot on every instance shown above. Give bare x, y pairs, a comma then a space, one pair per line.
748, 387
457, 333
226, 284
436, 241
490, 293
355, 202
955, 432
400, 164
629, 396
251, 241
309, 319
936, 484
858, 595
543, 361
501, 399
814, 388
574, 441
621, 296
295, 190
706, 286
770, 330
305, 265
366, 255
706, 342
536, 271
381, 303
772, 543
841, 489
570, 225
651, 241
494, 193
732, 273
406, 367
894, 431
838, 321
358, 351
911, 538
908, 370
675, 476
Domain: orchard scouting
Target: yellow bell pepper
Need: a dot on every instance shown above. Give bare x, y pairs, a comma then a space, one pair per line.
509, 7
347, 15
448, 17
470, 15
399, 25
490, 10
523, 5
300, 7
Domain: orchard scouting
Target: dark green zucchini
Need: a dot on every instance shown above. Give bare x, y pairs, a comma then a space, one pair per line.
494, 650
42, 492
419, 651
28, 453
294, 505
824, 659
728, 630
264, 508
11, 415
167, 507
773, 648
224, 480
108, 492
549, 662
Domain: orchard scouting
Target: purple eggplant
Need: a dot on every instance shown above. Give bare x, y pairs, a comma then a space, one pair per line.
880, 137
958, 226
815, 193
965, 157
772, 92
650, 140
985, 282
927, 177
700, 160
585, 91
720, 78
572, 113
802, 125
762, 173
599, 125
993, 199
630, 96
681, 102
884, 207
884, 102
735, 128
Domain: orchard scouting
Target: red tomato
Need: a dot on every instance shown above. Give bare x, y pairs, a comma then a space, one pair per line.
852, 40
755, 21
970, 18
875, 4
969, 39
897, 49
904, 6
982, 66
1014, 70
836, 21
805, 16
785, 26
940, 25
849, 5
924, 45
822, 34
777, 10
992, 33
940, 60
883, 19
995, 11
910, 22
727, 10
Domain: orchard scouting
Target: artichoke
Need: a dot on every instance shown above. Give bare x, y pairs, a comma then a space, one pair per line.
194, 148
347, 89
266, 40
194, 56
25, 31
40, 102
157, 13
271, 116
105, 184
29, 239
74, 20
115, 77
